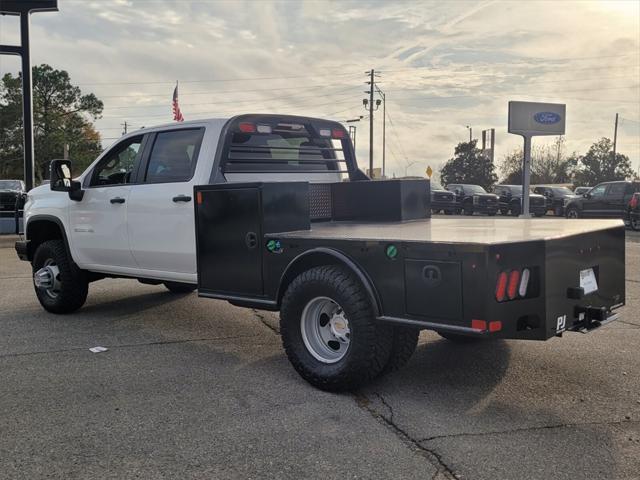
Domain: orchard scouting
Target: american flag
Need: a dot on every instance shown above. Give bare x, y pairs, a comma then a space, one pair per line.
177, 114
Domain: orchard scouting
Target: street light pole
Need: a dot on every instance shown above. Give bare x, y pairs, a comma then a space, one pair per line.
470, 133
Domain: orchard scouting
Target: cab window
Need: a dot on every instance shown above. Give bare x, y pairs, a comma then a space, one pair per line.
174, 155
616, 189
598, 191
117, 166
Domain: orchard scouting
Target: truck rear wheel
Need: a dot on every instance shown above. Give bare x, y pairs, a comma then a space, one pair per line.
60, 286
329, 332
573, 212
176, 287
405, 340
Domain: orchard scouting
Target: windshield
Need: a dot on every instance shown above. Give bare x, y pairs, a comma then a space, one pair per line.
474, 189
10, 185
561, 191
436, 186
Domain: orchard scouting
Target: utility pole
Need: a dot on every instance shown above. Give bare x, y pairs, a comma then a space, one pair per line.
615, 138
124, 126
470, 133
371, 85
384, 129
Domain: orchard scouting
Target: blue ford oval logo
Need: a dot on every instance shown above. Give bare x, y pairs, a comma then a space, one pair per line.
546, 118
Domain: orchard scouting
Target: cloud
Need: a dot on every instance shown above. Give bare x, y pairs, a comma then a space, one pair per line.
444, 65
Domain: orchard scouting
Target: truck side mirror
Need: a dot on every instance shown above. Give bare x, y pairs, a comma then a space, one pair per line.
61, 179
586, 195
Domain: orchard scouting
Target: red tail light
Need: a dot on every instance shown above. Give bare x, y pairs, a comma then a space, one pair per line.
514, 282
634, 201
247, 127
501, 286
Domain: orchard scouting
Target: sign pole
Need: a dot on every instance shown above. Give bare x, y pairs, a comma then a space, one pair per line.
526, 177
23, 9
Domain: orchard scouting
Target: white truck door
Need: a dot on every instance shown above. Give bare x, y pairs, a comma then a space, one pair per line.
98, 225
160, 209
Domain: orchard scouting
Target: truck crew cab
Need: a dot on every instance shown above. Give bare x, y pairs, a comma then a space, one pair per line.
473, 198
556, 197
271, 212
442, 200
605, 200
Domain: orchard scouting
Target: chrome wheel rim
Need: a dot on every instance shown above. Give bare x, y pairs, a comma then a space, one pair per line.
47, 278
325, 330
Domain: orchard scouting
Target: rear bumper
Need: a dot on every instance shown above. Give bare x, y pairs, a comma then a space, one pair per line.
22, 249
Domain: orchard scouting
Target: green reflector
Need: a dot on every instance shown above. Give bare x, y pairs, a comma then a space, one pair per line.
271, 245
392, 251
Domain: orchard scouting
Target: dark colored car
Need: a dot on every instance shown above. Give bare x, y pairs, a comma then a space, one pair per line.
442, 200
581, 190
10, 191
473, 198
605, 200
510, 201
555, 197
633, 212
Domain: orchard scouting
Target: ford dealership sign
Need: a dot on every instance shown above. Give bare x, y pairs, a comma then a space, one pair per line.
547, 118
530, 119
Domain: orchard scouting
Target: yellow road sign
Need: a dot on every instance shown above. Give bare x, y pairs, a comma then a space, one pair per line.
429, 171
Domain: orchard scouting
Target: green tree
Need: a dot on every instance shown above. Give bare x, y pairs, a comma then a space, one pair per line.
549, 164
469, 165
62, 114
600, 165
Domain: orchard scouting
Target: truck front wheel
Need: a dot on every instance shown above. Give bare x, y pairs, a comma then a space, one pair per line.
329, 332
60, 286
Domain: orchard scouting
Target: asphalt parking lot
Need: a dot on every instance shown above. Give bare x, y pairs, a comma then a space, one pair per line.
195, 388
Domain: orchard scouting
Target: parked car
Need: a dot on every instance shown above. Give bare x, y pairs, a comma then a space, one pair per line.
10, 191
605, 200
633, 212
442, 200
510, 201
473, 198
555, 197
581, 190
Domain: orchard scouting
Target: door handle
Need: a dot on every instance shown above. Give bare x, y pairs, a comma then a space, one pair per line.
117, 200
182, 198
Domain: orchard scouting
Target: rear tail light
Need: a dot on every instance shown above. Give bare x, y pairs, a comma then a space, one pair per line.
337, 134
513, 284
501, 287
634, 201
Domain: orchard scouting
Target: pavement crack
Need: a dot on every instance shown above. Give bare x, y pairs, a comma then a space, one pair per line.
526, 429
442, 469
263, 320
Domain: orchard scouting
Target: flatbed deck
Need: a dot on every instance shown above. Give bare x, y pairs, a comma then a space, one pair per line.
485, 231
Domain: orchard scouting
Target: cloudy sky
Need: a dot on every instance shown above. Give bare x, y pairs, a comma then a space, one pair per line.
443, 65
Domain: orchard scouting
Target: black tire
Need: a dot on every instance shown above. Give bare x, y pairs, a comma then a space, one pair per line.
504, 211
176, 287
460, 339
573, 212
634, 222
448, 212
468, 209
370, 342
73, 283
405, 340
491, 214
539, 214
515, 210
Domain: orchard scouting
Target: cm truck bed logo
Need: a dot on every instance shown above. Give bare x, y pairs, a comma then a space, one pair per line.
547, 118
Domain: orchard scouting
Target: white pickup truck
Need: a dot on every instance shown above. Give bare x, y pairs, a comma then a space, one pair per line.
130, 214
